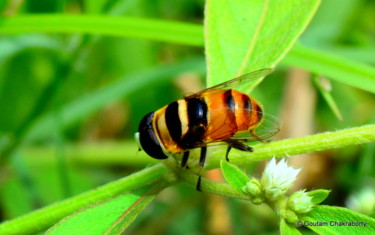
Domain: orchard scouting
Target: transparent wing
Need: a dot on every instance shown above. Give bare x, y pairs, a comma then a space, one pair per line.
246, 78
268, 127
236, 82
225, 130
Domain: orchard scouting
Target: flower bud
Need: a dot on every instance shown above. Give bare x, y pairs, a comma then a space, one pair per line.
254, 189
300, 202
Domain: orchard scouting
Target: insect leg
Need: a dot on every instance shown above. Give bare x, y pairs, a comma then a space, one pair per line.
228, 149
185, 158
237, 145
202, 159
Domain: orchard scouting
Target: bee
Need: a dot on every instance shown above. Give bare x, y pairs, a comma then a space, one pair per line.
216, 115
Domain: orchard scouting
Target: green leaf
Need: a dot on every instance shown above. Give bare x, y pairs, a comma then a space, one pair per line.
324, 88
243, 36
11, 46
155, 29
337, 220
233, 175
287, 229
109, 217
43, 218
318, 195
334, 67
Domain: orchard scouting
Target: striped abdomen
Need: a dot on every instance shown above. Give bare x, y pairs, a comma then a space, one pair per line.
214, 115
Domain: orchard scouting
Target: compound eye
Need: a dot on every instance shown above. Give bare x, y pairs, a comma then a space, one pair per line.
136, 137
148, 140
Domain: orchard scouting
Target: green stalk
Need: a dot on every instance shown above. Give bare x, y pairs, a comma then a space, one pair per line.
284, 148
42, 219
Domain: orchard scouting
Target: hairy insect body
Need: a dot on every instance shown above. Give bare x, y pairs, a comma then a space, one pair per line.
196, 121
219, 114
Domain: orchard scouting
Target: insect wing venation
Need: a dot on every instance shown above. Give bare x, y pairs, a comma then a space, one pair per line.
236, 82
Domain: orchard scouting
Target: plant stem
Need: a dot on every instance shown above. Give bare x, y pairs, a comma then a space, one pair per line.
42, 219
210, 186
284, 148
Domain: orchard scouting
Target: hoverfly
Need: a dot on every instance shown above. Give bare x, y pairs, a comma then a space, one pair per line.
219, 114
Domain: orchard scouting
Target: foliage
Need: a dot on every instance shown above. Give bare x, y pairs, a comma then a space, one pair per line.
73, 86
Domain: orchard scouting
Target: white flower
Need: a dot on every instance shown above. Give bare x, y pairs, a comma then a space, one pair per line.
278, 178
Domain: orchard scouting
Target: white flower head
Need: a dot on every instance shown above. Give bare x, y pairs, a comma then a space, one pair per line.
278, 178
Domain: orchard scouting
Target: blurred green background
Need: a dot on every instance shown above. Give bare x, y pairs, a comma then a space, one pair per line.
70, 104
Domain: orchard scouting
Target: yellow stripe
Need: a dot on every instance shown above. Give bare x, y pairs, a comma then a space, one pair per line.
162, 132
182, 113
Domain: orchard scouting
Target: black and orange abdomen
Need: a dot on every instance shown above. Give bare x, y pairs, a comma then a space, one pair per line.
195, 121
231, 112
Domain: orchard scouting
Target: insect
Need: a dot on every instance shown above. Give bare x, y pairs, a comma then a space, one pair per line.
219, 114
